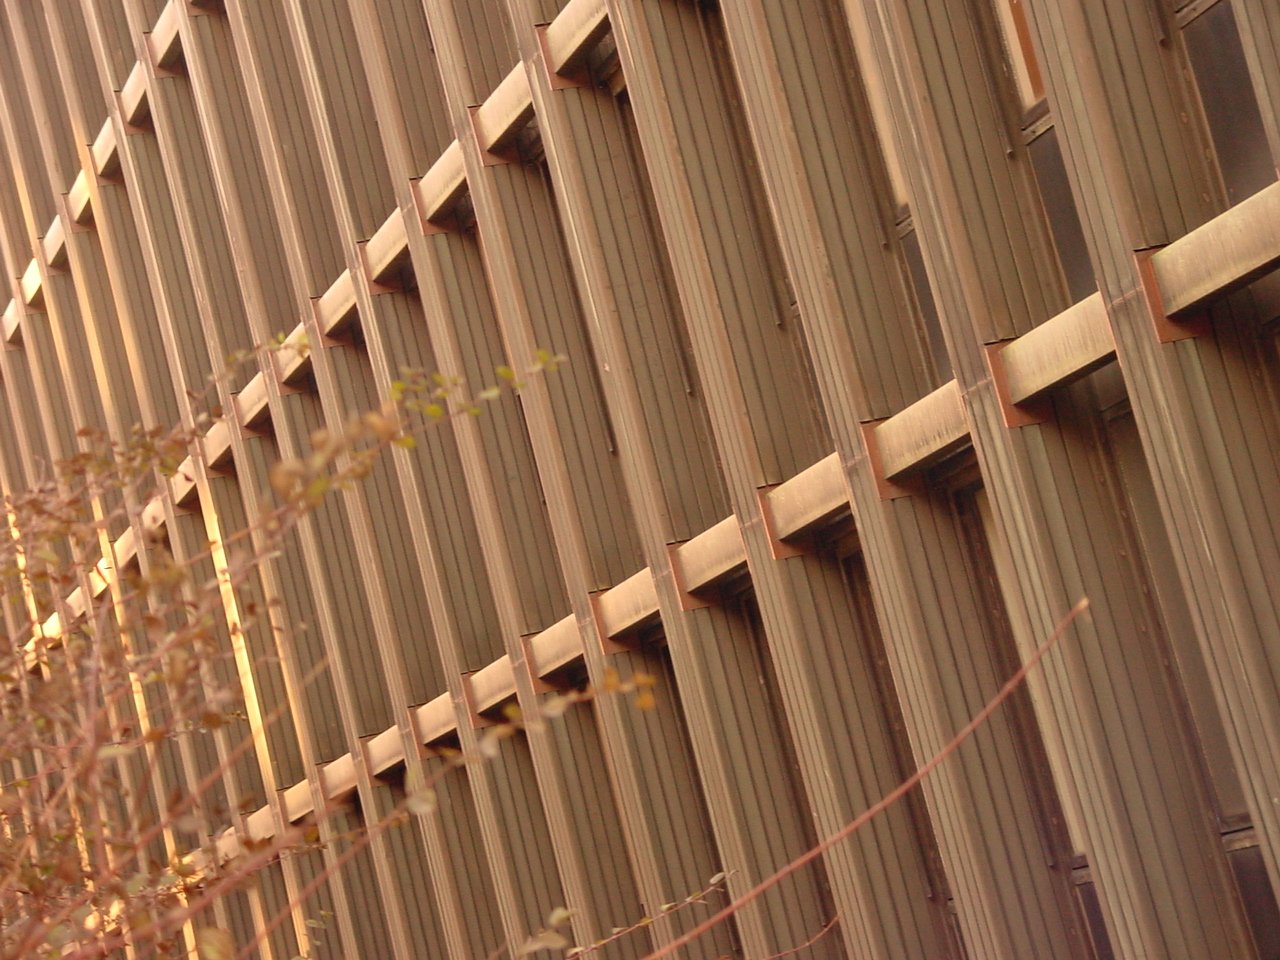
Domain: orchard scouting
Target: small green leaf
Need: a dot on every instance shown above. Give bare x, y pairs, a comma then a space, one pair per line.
135, 884
213, 943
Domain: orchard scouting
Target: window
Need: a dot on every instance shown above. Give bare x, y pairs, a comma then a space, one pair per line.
1037, 135
1226, 95
1231, 115
1021, 56
933, 347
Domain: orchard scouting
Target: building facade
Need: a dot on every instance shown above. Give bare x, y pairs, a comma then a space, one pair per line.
894, 328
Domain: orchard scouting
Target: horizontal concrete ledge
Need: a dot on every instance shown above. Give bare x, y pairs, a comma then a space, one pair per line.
125, 550
1229, 252
555, 647
134, 109
293, 357
296, 803
78, 201
226, 847
492, 684
106, 155
12, 323
29, 285
628, 605
251, 401
434, 719
809, 499
1069, 346
335, 306
54, 244
384, 751
442, 184
711, 555
338, 778
924, 433
216, 447
182, 486
164, 40
505, 112
575, 30
387, 247
153, 515
260, 825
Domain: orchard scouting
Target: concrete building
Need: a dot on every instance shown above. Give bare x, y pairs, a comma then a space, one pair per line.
894, 328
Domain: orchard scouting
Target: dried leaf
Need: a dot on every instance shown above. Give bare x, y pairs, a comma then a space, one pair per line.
213, 943
545, 940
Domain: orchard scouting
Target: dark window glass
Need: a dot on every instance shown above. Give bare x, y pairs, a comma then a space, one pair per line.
1230, 107
1266, 297
1064, 220
934, 341
1259, 902
1091, 908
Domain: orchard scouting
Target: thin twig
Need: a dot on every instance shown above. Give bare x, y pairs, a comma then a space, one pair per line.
641, 924
889, 800
827, 928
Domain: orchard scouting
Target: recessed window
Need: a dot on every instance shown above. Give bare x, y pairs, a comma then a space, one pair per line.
1230, 106
1060, 209
1039, 135
1024, 67
873, 83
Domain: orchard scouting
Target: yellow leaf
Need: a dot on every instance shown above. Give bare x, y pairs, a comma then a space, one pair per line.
214, 944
